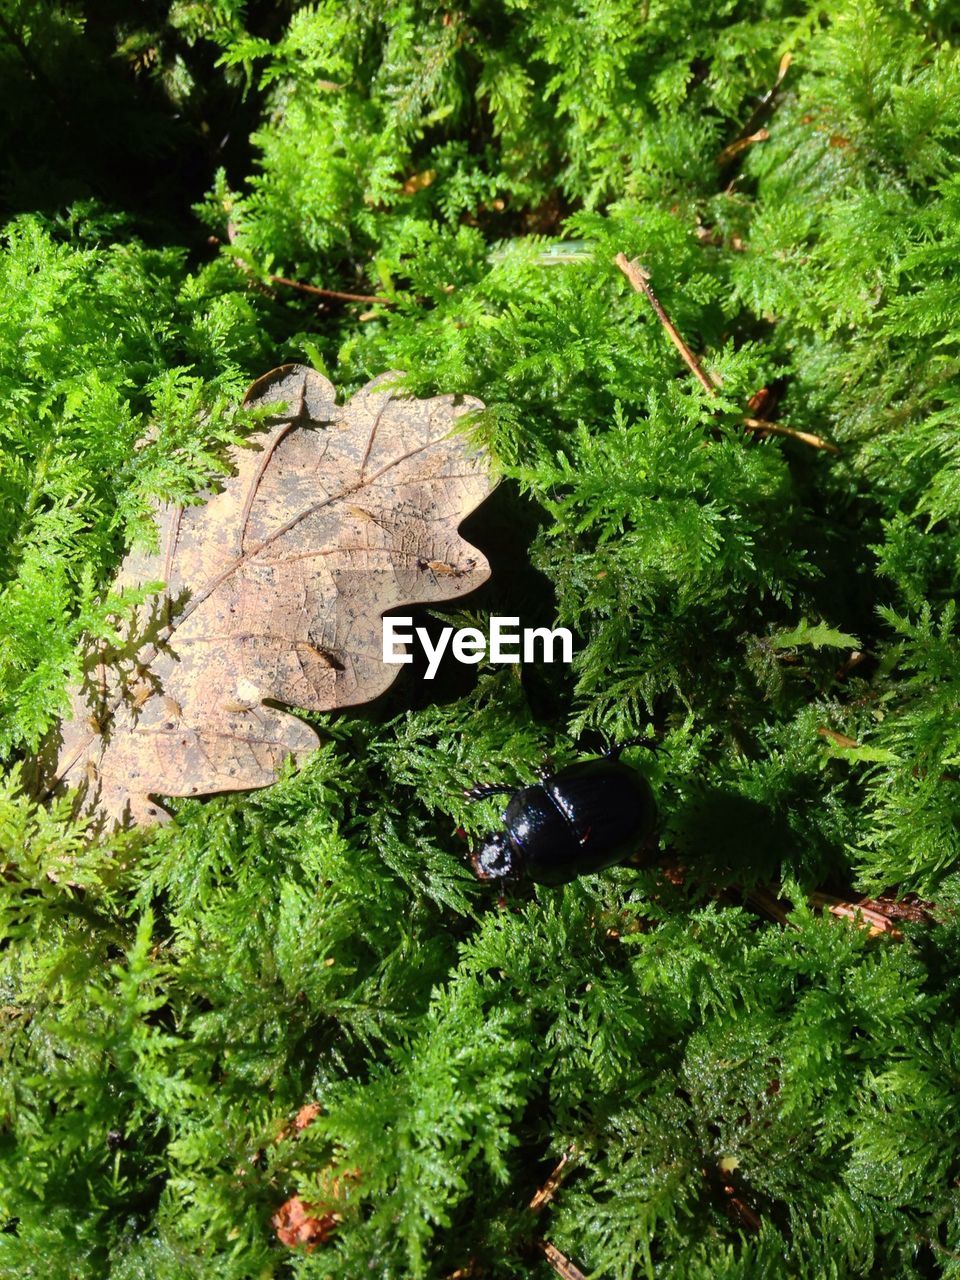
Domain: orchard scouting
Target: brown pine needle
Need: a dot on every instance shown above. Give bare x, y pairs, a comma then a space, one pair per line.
735, 148
336, 294
330, 293
763, 106
860, 913
561, 1264
778, 429
545, 1194
743, 1211
640, 280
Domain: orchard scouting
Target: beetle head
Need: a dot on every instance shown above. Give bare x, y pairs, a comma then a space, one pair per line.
494, 860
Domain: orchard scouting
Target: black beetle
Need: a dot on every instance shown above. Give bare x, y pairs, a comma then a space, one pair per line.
588, 816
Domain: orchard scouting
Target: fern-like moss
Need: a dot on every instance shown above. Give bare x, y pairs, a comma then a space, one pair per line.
745, 1096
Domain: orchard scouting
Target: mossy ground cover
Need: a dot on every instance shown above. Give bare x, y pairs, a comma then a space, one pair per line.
747, 1097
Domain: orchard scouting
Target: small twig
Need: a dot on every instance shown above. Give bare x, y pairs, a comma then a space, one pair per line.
778, 429
750, 132
765, 901
746, 1214
737, 148
859, 913
737, 1209
330, 293
545, 1194
561, 1264
640, 280
541, 1198
337, 294
908, 908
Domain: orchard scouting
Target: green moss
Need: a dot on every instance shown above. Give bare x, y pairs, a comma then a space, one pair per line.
170, 999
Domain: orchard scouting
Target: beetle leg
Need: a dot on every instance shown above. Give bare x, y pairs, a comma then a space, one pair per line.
485, 789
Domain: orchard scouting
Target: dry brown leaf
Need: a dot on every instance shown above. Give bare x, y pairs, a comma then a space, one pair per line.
303, 1120
300, 1225
275, 589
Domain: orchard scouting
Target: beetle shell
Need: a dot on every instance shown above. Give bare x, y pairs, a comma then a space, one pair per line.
588, 816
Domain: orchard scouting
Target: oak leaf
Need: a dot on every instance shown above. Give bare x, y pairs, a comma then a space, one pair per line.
274, 592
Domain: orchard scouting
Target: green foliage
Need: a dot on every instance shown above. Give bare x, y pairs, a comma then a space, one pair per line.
747, 1098
119, 373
